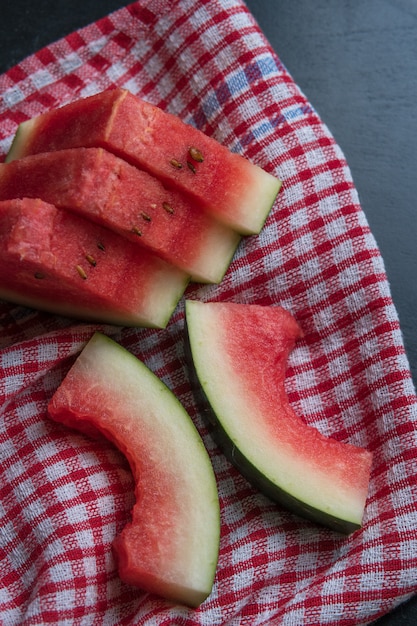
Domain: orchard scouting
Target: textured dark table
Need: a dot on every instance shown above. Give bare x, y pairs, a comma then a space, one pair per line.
356, 62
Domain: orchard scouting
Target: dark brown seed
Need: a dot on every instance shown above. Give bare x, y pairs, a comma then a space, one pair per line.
81, 272
191, 167
91, 260
168, 208
100, 246
146, 217
176, 164
196, 155
39, 275
136, 230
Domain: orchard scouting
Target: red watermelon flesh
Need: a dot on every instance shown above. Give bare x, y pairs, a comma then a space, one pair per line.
171, 545
235, 191
56, 261
109, 191
316, 476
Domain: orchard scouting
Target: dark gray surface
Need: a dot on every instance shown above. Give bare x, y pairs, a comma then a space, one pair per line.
356, 62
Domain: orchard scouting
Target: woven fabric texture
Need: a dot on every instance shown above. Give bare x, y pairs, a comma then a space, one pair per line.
64, 497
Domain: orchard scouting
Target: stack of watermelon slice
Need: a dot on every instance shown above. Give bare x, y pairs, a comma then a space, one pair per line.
110, 206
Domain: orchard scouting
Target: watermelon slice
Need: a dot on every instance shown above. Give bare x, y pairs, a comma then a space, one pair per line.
317, 477
109, 191
171, 545
56, 261
227, 185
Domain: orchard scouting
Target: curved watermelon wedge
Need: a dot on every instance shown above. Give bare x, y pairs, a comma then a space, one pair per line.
56, 261
171, 545
105, 189
238, 355
227, 185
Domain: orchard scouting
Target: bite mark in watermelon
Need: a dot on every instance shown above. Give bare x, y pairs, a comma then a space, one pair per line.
235, 191
171, 545
238, 356
104, 188
53, 260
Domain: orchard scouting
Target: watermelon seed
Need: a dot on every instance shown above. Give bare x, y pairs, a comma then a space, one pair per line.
39, 275
168, 208
196, 155
136, 230
191, 167
146, 217
81, 272
91, 260
176, 164
100, 246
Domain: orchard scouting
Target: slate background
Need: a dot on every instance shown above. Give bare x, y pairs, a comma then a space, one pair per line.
356, 63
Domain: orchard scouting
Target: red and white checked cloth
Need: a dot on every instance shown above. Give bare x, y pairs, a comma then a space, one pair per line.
63, 497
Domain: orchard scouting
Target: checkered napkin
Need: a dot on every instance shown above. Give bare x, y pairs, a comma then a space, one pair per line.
64, 497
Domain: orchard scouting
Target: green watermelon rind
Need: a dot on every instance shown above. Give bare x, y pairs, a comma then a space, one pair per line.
19, 139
